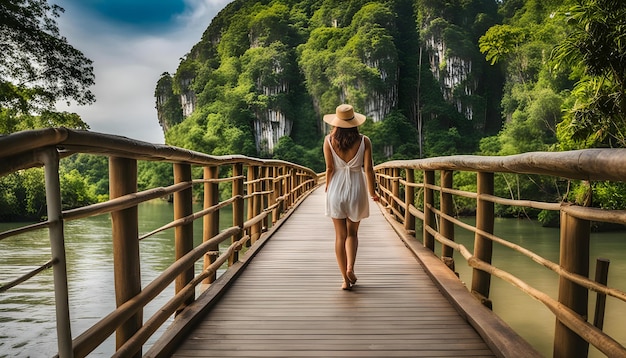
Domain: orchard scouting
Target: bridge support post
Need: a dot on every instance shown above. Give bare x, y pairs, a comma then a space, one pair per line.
50, 158
237, 207
210, 222
409, 199
265, 202
574, 257
481, 281
602, 275
429, 215
258, 204
395, 191
276, 193
125, 231
183, 235
388, 173
286, 188
446, 228
254, 201
250, 189
293, 184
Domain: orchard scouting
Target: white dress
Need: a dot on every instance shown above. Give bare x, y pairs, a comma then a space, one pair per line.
346, 195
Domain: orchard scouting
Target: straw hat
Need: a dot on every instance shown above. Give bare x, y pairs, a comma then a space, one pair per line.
344, 117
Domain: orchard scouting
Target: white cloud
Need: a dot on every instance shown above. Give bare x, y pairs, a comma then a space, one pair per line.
128, 64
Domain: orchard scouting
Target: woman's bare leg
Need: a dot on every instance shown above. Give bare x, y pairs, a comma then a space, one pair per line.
352, 245
341, 232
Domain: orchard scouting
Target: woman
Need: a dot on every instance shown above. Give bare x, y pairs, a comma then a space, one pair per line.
347, 154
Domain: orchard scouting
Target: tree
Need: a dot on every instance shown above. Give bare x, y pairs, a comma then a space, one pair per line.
500, 41
38, 67
597, 45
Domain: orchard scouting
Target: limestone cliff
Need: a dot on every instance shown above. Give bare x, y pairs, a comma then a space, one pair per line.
273, 68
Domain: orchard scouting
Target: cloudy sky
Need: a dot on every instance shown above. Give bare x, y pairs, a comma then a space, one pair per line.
131, 43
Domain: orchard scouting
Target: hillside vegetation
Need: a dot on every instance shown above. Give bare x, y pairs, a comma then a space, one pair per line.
265, 72
434, 78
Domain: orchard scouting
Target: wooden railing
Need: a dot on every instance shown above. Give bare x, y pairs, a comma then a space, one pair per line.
405, 190
268, 188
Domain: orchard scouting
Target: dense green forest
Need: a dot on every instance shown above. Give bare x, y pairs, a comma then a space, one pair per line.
265, 72
434, 78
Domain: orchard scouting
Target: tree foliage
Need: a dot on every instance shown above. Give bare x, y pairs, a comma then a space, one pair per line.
564, 67
597, 45
38, 67
303, 58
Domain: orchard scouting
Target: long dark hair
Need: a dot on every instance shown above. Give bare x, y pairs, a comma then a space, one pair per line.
345, 137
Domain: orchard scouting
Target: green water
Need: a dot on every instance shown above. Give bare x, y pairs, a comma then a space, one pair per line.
27, 327
527, 316
27, 312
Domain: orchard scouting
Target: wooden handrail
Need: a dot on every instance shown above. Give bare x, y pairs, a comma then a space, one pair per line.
287, 184
78, 141
570, 309
584, 164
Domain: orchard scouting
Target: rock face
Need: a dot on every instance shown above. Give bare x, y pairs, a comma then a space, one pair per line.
269, 127
282, 60
187, 97
454, 75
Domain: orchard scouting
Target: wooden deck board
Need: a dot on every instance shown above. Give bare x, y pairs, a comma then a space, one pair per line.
288, 301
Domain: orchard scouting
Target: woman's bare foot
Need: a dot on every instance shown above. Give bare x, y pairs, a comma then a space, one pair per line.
351, 276
346, 285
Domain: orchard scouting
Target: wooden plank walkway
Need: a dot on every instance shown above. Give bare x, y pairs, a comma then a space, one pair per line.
288, 301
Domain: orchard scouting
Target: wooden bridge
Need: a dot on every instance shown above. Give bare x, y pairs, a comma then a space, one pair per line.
280, 295
288, 302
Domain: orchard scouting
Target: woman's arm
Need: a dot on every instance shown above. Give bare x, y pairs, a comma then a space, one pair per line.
330, 165
368, 166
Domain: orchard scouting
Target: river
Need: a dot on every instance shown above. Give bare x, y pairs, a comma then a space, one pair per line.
27, 327
27, 312
527, 316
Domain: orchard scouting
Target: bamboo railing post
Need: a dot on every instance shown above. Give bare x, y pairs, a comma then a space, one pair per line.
250, 190
380, 185
429, 215
287, 188
256, 206
446, 228
409, 199
388, 174
265, 202
483, 247
281, 191
258, 202
395, 190
183, 234
275, 193
602, 273
125, 232
237, 208
50, 158
297, 178
210, 222
293, 193
573, 257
